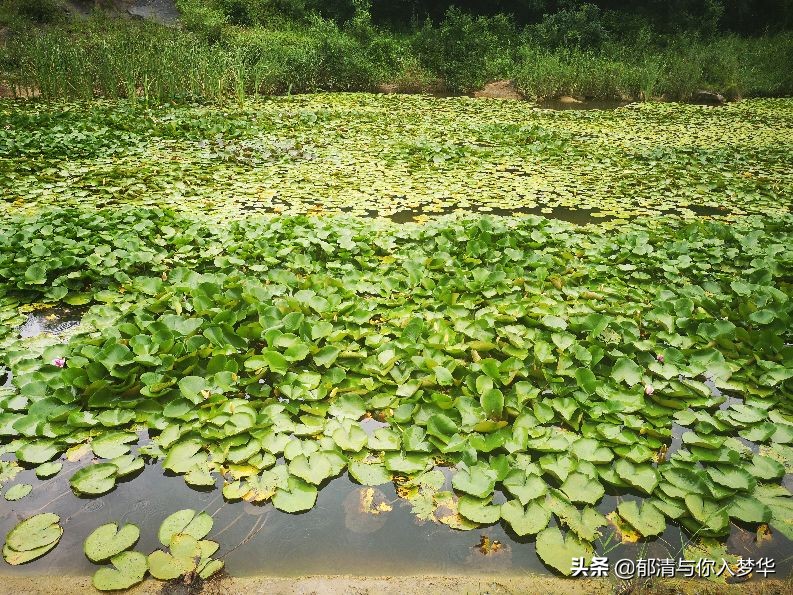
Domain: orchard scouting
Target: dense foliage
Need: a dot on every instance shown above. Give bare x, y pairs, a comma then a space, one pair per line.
236, 47
529, 356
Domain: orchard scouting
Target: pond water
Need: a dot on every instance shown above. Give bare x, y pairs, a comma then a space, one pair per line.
335, 537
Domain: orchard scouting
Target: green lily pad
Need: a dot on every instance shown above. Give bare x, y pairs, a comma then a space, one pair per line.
164, 566
299, 496
558, 551
525, 520
128, 570
648, 521
32, 538
108, 540
46, 470
369, 474
94, 480
18, 491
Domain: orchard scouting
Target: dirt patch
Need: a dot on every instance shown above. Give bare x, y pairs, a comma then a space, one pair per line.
499, 90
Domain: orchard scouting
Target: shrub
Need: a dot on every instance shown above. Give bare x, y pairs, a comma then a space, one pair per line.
466, 51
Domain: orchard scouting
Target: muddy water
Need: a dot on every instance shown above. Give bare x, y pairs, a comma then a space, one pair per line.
335, 537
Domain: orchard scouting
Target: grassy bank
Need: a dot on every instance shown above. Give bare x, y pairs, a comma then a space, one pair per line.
115, 58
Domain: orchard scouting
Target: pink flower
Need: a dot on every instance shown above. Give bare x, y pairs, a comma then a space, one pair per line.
59, 361
660, 358
648, 389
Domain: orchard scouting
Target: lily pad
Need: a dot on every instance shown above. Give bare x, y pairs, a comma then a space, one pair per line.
558, 551
108, 540
128, 570
32, 538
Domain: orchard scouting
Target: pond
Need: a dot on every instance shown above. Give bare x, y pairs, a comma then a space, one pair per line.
376, 335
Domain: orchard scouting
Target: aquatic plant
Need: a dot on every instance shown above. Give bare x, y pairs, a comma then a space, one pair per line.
514, 353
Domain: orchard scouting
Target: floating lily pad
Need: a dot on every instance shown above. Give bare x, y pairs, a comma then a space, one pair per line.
32, 538
128, 570
558, 551
18, 491
108, 540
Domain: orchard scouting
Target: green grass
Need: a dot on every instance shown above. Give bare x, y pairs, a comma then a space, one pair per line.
109, 58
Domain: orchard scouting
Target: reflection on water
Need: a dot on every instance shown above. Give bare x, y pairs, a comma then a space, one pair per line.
52, 321
335, 537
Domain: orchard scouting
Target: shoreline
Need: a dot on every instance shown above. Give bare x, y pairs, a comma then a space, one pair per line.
395, 585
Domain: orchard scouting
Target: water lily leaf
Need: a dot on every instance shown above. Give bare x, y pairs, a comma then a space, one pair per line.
183, 456
299, 496
749, 510
712, 515
164, 566
127, 465
191, 388
108, 540
648, 521
492, 402
175, 523
478, 481
384, 439
686, 480
36, 453
186, 550
350, 437
326, 356
779, 501
525, 487
94, 480
765, 468
18, 491
47, 470
314, 468
581, 488
129, 569
348, 407
732, 477
199, 527
479, 510
558, 551
212, 567
408, 464
32, 538
589, 449
528, 520
369, 474
627, 371
584, 523
113, 444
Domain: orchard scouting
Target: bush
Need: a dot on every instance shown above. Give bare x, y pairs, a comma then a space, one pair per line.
465, 51
38, 11
201, 19
581, 28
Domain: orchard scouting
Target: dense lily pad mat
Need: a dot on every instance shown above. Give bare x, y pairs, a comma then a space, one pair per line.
534, 358
401, 156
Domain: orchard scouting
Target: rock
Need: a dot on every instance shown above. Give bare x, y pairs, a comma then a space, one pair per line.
708, 98
499, 90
